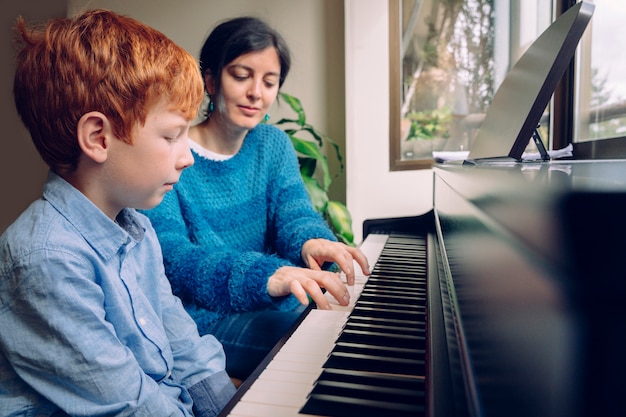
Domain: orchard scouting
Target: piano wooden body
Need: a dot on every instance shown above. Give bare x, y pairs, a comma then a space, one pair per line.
521, 298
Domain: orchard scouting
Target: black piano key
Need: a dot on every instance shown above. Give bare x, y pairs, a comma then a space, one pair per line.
342, 393
409, 353
408, 249
401, 269
378, 364
390, 313
386, 327
392, 300
414, 383
399, 272
374, 321
390, 360
396, 285
375, 363
391, 289
344, 406
393, 296
382, 339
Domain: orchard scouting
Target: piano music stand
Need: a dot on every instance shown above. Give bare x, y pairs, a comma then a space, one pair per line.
521, 99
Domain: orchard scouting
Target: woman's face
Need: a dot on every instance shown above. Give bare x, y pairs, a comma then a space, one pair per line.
249, 87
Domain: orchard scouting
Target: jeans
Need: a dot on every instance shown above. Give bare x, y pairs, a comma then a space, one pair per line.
248, 337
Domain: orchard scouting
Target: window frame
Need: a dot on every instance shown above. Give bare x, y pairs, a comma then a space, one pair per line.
396, 163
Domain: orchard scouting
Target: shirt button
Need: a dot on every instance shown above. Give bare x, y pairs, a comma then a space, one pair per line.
142, 321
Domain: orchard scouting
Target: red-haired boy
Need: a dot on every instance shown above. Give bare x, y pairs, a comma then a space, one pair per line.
88, 323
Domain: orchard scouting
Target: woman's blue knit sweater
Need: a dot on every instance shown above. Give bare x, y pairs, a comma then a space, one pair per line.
229, 225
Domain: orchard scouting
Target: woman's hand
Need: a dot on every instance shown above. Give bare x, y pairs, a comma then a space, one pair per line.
304, 282
315, 252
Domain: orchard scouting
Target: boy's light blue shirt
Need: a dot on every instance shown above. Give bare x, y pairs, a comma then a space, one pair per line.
88, 323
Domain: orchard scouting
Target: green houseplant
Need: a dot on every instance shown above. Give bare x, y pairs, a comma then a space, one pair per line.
429, 125
314, 169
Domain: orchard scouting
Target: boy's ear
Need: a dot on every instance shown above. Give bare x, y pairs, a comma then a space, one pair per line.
94, 132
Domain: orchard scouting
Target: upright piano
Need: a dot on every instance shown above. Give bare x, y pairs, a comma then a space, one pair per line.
507, 299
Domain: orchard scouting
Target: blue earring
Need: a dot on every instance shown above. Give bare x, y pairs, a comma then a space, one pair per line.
267, 117
211, 106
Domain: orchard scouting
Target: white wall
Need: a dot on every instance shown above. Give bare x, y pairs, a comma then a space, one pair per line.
373, 191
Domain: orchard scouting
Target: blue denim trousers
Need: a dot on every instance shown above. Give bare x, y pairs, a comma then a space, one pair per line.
248, 337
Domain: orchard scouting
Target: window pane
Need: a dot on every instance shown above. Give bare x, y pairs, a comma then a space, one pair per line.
601, 84
454, 56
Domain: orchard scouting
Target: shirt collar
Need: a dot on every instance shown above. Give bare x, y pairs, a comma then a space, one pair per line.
100, 232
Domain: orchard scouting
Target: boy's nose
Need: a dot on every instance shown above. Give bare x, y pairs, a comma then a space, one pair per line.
186, 160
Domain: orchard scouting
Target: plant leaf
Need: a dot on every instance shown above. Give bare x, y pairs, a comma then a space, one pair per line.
341, 221
318, 196
306, 147
337, 153
296, 106
311, 150
317, 135
285, 120
307, 166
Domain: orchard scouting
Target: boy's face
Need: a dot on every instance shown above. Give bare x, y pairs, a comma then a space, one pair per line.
142, 172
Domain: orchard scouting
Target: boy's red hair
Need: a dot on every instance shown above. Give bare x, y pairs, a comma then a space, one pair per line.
98, 61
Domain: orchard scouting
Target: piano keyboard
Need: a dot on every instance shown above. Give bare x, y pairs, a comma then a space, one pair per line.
363, 359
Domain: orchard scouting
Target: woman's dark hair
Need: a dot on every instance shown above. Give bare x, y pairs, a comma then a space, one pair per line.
236, 37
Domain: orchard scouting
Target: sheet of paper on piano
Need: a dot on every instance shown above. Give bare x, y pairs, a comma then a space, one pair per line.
445, 156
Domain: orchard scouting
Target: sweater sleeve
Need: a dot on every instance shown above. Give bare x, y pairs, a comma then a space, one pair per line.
292, 215
211, 276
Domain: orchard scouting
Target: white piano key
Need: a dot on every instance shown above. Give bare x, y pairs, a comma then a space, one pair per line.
281, 389
292, 355
269, 376
262, 410
290, 366
372, 246
284, 394
307, 348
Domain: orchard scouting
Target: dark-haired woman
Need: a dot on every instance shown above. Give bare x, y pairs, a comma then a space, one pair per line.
243, 247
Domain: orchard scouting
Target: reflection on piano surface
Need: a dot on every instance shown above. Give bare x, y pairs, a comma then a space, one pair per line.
508, 299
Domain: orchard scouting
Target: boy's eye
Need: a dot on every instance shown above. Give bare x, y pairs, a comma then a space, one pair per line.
172, 137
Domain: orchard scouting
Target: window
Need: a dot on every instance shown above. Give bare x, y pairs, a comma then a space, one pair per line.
600, 82
447, 59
